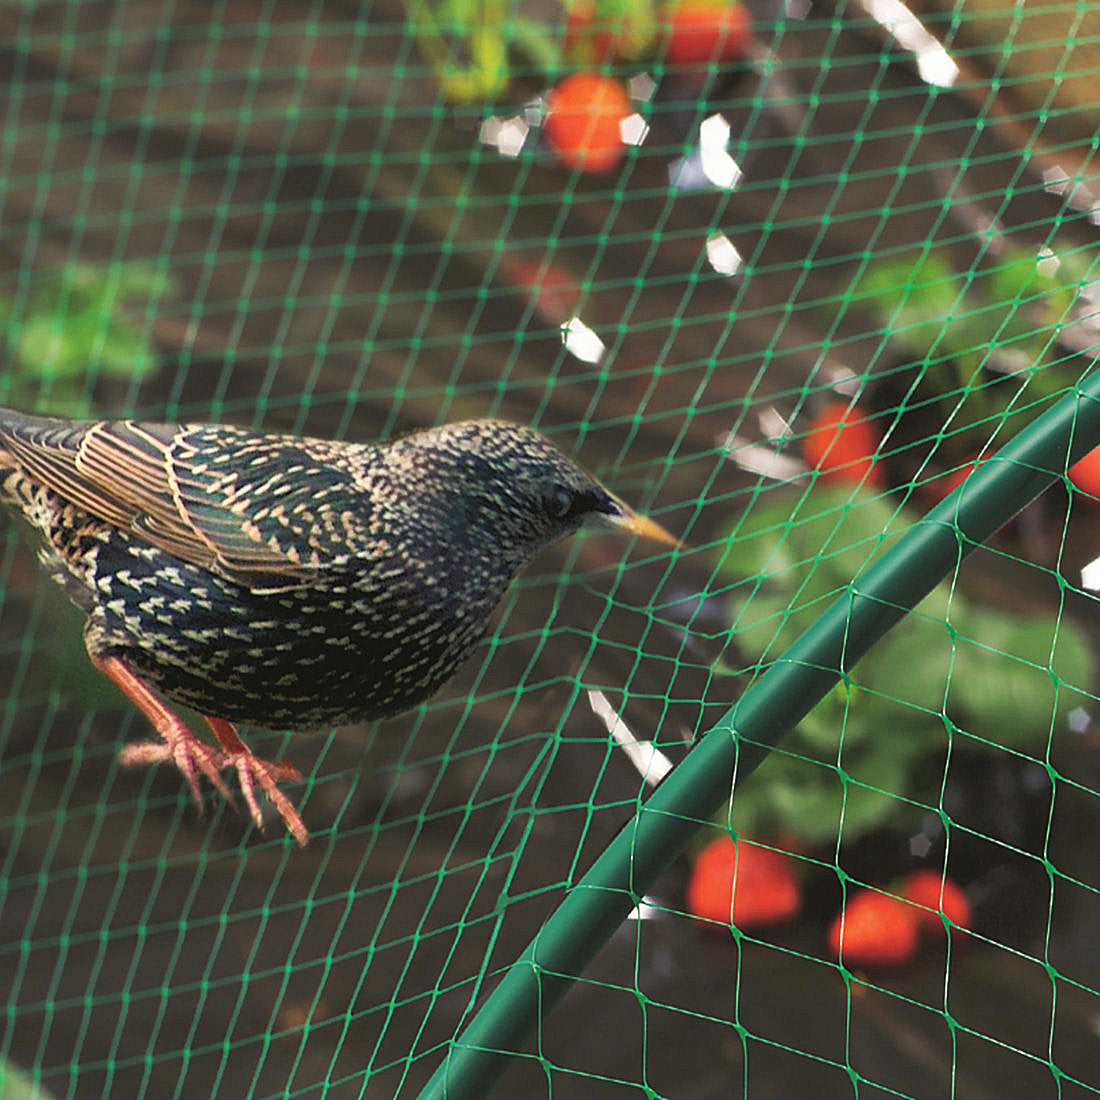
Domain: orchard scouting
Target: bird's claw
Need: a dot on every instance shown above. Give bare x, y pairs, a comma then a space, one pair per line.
266, 774
190, 755
193, 756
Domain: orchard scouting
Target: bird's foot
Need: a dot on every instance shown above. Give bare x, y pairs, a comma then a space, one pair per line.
265, 774
187, 752
177, 744
194, 757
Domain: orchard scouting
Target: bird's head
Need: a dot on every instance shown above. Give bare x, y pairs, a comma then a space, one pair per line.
508, 483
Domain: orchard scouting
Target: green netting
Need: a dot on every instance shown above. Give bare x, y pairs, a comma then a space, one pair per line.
353, 220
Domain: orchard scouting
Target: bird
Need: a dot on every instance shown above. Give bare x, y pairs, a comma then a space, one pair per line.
282, 581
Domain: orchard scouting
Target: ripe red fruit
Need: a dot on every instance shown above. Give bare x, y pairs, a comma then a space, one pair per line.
841, 443
553, 289
874, 930
922, 888
938, 488
1085, 473
582, 122
741, 883
698, 32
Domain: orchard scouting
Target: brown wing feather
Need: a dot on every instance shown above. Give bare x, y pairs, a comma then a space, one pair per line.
138, 478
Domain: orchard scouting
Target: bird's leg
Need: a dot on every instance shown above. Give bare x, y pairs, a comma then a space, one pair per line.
252, 771
177, 743
192, 755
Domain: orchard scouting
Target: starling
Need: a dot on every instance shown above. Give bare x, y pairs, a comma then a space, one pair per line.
286, 582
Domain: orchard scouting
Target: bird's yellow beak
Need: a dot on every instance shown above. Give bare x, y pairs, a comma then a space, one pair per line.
643, 526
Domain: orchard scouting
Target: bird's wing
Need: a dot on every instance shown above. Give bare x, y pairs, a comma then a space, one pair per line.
150, 480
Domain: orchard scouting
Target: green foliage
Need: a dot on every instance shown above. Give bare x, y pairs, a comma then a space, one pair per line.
1003, 316
956, 670
972, 333
467, 43
74, 324
472, 45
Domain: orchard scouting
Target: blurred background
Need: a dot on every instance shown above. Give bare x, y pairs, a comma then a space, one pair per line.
779, 274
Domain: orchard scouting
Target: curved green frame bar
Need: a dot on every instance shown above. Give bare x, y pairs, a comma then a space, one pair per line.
926, 554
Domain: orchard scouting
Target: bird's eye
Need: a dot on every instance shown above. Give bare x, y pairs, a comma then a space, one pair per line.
558, 501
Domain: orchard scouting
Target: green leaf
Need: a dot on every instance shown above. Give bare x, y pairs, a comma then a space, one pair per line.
1006, 688
48, 349
913, 298
951, 660
758, 547
821, 731
815, 799
125, 353
912, 665
74, 322
822, 539
142, 282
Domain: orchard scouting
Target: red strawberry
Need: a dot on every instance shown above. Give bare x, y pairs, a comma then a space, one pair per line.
923, 889
744, 884
841, 443
938, 488
874, 930
1085, 473
554, 290
583, 119
698, 32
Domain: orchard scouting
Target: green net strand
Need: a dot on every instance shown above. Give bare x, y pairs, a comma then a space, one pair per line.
351, 221
875, 602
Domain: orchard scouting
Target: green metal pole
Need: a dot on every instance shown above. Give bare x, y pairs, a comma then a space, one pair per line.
795, 683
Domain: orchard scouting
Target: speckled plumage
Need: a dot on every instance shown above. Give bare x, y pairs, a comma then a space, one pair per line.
290, 583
